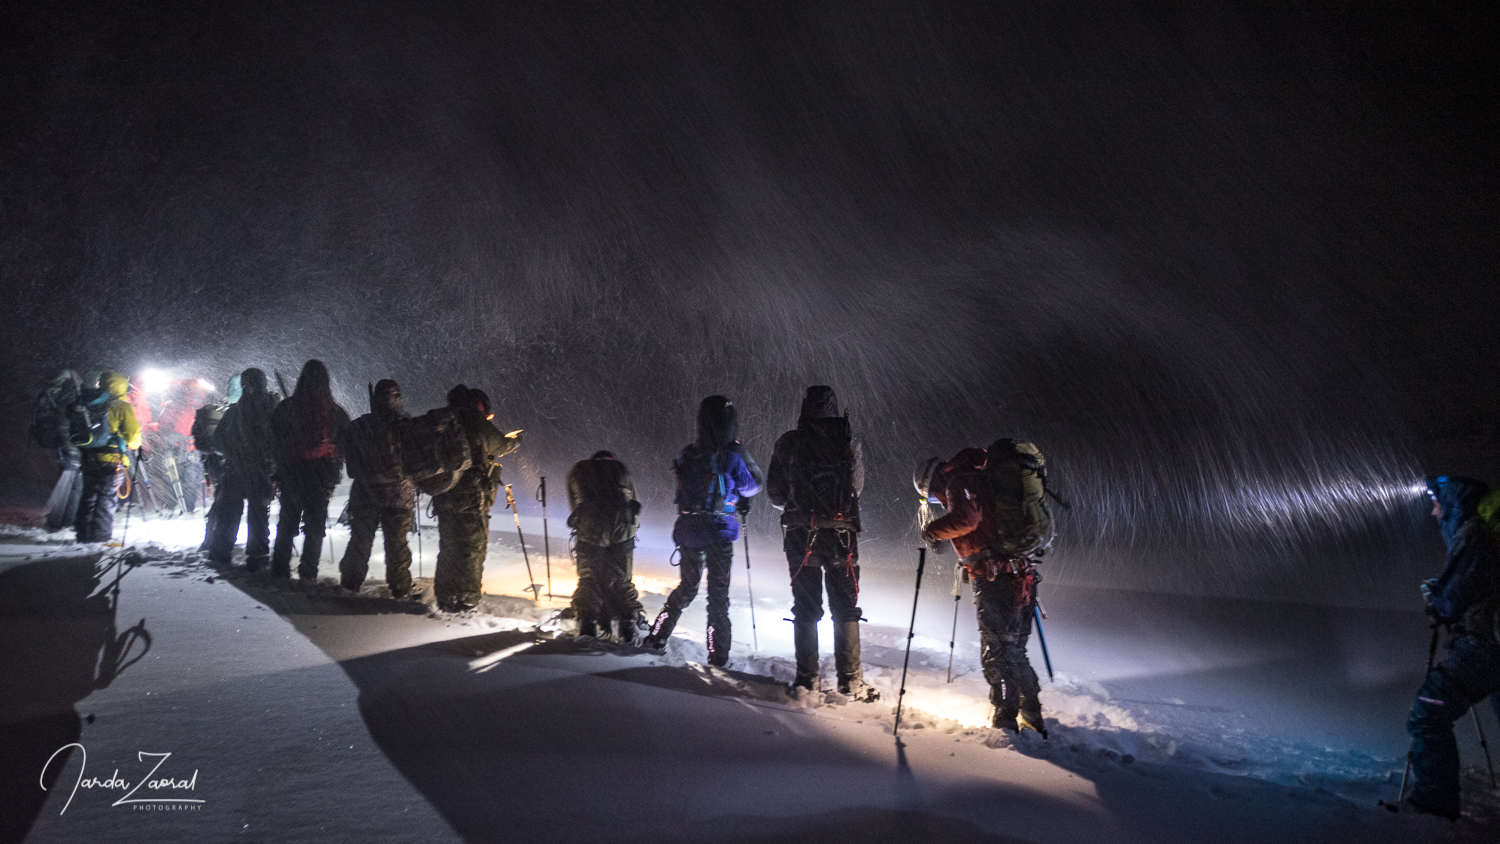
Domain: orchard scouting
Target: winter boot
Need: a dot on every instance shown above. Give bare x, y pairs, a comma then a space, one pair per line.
846, 660
1004, 719
588, 627
1032, 721
805, 644
661, 629
1006, 711
628, 631
718, 648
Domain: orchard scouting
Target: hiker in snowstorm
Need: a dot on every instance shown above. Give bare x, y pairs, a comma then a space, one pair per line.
206, 421
998, 521
105, 459
715, 479
816, 475
305, 431
463, 512
1465, 598
383, 496
243, 439
605, 516
51, 428
181, 463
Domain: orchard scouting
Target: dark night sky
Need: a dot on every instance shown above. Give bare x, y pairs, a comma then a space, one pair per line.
1193, 252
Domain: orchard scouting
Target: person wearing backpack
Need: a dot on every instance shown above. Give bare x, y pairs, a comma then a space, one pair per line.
105, 456
715, 479
463, 511
816, 476
1003, 577
604, 515
243, 438
206, 421
382, 496
305, 432
51, 429
1465, 598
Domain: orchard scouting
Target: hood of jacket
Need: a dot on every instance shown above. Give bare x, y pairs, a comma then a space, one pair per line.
718, 423
114, 383
819, 403
1460, 499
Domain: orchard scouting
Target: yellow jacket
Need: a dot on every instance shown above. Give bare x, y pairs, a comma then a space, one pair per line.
122, 423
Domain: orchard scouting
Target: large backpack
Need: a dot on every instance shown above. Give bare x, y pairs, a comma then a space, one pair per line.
435, 450
820, 475
88, 421
702, 480
50, 419
373, 449
1017, 474
205, 424
606, 515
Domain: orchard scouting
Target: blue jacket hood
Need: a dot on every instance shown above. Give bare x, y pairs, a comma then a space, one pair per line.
1460, 499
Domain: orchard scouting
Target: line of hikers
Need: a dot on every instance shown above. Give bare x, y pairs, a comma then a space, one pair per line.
996, 516
259, 446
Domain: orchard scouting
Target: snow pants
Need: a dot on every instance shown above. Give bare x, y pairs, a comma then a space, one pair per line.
823, 558
395, 524
304, 503
718, 559
1003, 631
463, 540
232, 498
96, 503
606, 585
1468, 674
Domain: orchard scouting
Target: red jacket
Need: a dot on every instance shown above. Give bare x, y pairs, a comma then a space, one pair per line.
962, 489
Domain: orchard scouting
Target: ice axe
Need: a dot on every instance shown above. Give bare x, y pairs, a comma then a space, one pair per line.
510, 503
1041, 637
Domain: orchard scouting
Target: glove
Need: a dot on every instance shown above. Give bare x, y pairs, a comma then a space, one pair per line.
1427, 587
742, 507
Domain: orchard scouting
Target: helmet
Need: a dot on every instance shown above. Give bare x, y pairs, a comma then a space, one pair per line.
921, 479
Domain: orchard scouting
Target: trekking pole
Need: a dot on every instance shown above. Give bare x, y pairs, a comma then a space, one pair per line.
1041, 637
1431, 657
333, 554
754, 636
546, 538
176, 478
419, 534
958, 588
910, 634
1474, 711
510, 501
125, 531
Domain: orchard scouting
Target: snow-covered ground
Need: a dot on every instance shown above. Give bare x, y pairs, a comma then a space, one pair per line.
319, 715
